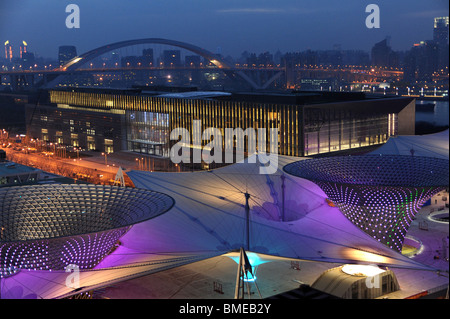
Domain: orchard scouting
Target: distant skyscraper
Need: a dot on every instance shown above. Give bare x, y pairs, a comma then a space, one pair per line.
192, 60
23, 49
440, 37
421, 61
265, 59
8, 51
172, 58
440, 31
28, 59
66, 53
147, 57
277, 57
382, 54
129, 61
252, 59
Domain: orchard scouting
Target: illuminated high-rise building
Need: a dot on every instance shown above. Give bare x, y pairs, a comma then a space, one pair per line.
440, 37
8, 51
440, 31
23, 49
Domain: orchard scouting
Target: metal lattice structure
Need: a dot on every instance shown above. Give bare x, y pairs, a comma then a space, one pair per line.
48, 227
379, 194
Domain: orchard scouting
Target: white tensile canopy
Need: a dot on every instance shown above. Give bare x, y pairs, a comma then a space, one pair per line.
209, 216
429, 145
209, 219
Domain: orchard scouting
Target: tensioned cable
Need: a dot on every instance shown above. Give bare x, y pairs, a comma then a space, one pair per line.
306, 216
272, 227
240, 191
268, 213
234, 226
361, 236
265, 225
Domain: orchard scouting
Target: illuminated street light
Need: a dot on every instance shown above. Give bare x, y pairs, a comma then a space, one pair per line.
106, 158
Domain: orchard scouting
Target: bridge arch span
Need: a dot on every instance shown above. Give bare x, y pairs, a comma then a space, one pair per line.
229, 70
90, 55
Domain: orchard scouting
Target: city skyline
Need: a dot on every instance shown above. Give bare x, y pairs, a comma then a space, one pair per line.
230, 28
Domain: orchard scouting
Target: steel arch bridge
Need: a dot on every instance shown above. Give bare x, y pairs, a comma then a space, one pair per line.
233, 73
89, 56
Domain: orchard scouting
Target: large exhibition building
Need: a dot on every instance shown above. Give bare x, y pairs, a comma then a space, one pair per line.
141, 120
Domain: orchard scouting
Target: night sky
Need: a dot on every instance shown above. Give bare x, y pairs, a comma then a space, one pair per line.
233, 26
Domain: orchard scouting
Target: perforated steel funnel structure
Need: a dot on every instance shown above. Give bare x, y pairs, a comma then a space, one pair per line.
378, 193
48, 227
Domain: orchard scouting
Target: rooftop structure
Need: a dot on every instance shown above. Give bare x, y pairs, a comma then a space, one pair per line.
379, 193
429, 145
48, 227
440, 30
357, 282
15, 174
289, 215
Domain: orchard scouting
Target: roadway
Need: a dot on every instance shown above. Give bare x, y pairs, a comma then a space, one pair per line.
92, 166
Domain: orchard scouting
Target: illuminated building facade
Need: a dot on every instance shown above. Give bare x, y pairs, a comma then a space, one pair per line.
8, 51
85, 128
48, 227
13, 174
309, 123
378, 193
23, 49
440, 30
440, 37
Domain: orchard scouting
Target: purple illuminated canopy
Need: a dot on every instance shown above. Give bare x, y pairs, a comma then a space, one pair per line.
378, 193
49, 227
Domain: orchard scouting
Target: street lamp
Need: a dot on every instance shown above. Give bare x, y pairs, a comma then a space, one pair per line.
78, 152
140, 164
106, 158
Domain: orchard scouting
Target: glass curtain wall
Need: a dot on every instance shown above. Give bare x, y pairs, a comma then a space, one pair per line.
328, 130
148, 132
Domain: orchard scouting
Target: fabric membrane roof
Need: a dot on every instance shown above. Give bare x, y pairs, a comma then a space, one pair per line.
209, 215
208, 219
429, 145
